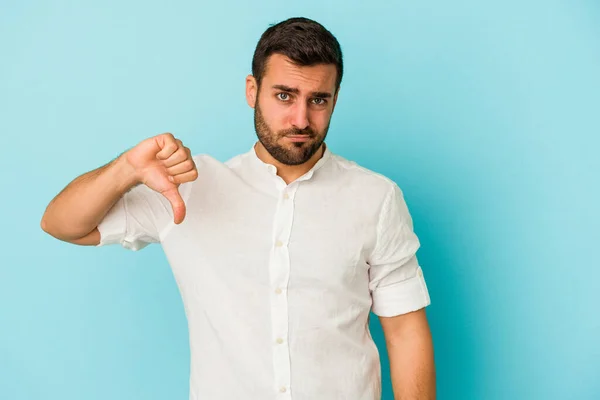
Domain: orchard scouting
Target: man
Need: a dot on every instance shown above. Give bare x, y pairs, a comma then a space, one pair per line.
280, 253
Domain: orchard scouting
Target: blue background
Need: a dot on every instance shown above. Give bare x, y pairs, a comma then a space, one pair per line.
487, 116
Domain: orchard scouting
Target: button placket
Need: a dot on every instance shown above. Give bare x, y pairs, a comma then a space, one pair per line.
279, 269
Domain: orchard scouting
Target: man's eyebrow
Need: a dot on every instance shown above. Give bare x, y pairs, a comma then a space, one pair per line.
296, 91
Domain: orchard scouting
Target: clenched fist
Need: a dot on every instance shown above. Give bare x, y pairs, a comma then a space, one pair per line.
163, 163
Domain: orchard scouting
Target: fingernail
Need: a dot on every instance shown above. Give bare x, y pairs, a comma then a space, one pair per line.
171, 179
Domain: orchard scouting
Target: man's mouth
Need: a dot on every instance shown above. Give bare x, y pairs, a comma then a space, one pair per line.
298, 138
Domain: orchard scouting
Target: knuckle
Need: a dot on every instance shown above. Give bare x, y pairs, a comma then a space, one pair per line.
185, 165
181, 156
188, 164
166, 137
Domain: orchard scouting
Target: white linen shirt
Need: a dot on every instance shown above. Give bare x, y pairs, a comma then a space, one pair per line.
278, 280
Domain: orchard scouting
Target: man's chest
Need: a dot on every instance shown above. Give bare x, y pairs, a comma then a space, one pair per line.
312, 237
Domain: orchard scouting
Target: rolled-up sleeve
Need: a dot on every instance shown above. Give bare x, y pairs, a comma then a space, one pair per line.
135, 220
113, 227
396, 279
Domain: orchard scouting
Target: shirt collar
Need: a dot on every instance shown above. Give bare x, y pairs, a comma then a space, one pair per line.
273, 169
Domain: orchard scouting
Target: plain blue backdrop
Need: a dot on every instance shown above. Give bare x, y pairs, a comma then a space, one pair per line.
487, 114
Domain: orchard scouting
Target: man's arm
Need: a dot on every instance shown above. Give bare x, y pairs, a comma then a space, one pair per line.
410, 351
76, 211
160, 162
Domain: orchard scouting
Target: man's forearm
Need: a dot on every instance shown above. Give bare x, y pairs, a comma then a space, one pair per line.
410, 350
412, 367
80, 206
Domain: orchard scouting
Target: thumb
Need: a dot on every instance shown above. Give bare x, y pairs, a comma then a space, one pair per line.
177, 203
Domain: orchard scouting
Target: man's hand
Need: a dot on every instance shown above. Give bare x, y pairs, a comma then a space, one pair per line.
163, 163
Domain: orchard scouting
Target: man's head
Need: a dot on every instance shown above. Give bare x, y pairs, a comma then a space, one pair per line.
296, 74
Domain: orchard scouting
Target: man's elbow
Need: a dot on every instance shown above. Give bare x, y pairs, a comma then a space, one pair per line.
86, 239
47, 226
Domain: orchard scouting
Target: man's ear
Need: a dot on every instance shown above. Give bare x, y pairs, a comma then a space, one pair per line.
251, 90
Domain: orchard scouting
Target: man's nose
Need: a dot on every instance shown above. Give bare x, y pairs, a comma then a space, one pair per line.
300, 116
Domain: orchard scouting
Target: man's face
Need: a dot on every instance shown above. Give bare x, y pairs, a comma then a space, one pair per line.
292, 108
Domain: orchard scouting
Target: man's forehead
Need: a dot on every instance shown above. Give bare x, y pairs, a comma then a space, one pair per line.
280, 70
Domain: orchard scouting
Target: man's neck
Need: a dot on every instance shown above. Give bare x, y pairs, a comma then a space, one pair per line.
288, 173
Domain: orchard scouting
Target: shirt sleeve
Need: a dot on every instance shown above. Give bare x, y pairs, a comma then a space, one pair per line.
396, 279
138, 218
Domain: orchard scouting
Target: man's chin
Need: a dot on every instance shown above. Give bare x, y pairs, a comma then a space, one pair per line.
294, 155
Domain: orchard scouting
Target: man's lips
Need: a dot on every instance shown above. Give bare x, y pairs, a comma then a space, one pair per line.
298, 138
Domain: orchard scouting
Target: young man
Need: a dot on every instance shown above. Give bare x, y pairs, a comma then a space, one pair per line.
280, 253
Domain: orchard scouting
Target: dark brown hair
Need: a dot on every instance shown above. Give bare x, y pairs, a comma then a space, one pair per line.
302, 40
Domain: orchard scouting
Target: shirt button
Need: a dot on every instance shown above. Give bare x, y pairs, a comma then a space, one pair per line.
279, 340
278, 291
279, 243
282, 389
420, 273
286, 196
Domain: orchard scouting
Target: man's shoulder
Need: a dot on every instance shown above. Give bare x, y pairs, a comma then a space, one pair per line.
209, 162
351, 171
204, 158
235, 160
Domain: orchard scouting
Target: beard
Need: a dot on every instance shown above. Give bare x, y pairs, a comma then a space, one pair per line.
299, 152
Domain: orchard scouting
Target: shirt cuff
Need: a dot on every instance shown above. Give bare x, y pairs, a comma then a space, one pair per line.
113, 226
401, 297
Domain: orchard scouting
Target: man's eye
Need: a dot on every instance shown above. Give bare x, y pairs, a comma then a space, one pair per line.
319, 101
283, 96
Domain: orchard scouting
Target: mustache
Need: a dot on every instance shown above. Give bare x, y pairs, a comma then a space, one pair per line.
295, 131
